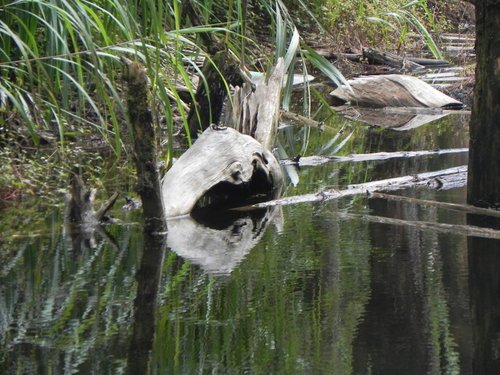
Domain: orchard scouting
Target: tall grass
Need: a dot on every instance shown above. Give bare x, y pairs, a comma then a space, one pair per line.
407, 17
61, 60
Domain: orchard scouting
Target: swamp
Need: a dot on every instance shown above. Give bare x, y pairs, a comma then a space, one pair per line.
330, 232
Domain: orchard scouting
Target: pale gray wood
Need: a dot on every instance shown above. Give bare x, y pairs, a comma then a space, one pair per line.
393, 90
442, 179
256, 113
219, 155
312, 161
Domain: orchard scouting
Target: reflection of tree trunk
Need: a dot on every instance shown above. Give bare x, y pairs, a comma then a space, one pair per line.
484, 285
155, 226
398, 334
148, 279
394, 336
484, 158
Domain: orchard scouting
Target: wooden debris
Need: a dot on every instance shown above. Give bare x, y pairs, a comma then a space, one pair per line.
295, 117
392, 60
80, 205
224, 167
256, 112
374, 56
393, 90
442, 179
312, 161
144, 148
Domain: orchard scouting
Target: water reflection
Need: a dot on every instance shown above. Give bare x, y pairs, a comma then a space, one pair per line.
317, 292
484, 284
145, 304
218, 241
407, 326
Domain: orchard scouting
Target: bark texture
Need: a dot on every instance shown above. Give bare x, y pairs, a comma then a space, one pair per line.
484, 158
144, 148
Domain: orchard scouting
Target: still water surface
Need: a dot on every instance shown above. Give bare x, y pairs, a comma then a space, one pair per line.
305, 289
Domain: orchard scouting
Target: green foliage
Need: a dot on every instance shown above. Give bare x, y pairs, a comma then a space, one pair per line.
377, 22
407, 17
61, 61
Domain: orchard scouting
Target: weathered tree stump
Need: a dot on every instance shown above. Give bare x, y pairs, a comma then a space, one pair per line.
224, 167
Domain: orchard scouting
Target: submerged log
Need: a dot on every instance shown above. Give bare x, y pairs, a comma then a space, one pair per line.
393, 90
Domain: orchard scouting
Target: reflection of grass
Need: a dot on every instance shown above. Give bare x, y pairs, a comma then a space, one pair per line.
68, 302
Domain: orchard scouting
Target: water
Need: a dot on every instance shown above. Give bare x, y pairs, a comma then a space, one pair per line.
304, 289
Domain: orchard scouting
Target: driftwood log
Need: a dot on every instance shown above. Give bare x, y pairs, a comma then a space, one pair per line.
393, 90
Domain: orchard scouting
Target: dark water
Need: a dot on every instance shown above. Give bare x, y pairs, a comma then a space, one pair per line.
305, 289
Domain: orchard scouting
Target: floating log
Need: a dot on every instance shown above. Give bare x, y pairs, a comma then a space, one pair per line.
313, 161
393, 90
442, 179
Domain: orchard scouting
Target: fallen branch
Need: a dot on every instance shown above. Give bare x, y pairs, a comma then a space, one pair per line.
312, 161
374, 56
442, 179
290, 116
445, 205
357, 57
467, 230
